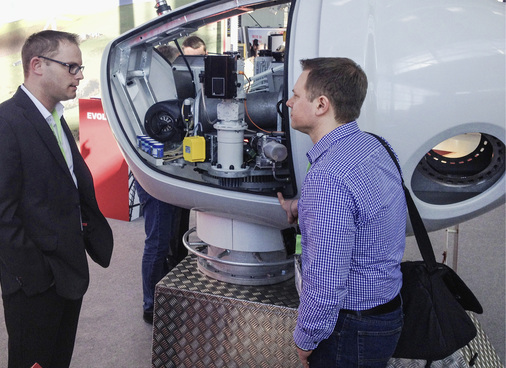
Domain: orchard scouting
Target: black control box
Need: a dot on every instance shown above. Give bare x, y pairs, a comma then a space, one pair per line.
220, 79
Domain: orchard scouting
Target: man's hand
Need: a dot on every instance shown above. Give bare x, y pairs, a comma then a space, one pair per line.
304, 356
290, 207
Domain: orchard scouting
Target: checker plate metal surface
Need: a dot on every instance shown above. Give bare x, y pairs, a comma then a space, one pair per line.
205, 323
487, 356
202, 322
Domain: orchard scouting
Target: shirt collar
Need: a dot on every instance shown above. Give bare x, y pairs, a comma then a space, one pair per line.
45, 113
327, 140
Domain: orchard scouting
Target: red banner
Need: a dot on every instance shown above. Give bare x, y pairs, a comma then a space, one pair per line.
102, 155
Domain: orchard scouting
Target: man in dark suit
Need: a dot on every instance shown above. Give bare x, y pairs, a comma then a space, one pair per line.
49, 216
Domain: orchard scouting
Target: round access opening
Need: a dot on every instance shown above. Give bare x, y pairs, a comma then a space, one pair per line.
459, 168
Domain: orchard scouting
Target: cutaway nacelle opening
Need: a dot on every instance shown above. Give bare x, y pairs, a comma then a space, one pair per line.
225, 131
459, 168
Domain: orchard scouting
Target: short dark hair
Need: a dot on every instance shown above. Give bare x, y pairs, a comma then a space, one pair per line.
194, 42
170, 53
44, 43
341, 80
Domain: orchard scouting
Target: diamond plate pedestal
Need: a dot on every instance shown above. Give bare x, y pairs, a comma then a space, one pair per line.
202, 322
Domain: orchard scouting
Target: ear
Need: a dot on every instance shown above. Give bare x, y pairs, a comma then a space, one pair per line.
36, 65
322, 105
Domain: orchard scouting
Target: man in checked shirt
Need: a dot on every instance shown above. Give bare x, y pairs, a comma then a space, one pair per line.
352, 217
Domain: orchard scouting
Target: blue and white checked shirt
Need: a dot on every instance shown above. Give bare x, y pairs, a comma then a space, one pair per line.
352, 217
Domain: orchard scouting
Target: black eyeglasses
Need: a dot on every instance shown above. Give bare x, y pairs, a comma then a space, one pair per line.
73, 68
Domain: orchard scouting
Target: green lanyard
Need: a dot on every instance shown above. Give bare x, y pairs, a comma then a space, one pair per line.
298, 237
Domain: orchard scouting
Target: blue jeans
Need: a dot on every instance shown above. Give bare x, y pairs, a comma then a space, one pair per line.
164, 225
359, 341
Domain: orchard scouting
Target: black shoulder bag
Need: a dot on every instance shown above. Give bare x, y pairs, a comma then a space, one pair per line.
435, 299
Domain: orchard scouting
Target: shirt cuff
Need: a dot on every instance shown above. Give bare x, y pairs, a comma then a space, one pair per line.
303, 341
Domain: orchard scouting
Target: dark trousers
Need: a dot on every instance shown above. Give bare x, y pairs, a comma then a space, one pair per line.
359, 342
165, 225
41, 328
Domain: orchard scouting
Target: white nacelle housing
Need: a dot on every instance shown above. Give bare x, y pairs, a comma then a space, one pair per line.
436, 72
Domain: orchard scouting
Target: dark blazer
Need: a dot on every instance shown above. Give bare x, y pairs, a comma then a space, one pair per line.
41, 241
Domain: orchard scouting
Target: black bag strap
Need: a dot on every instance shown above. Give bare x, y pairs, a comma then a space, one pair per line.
422, 238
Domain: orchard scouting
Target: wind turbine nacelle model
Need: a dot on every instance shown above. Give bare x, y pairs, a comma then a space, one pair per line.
201, 133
